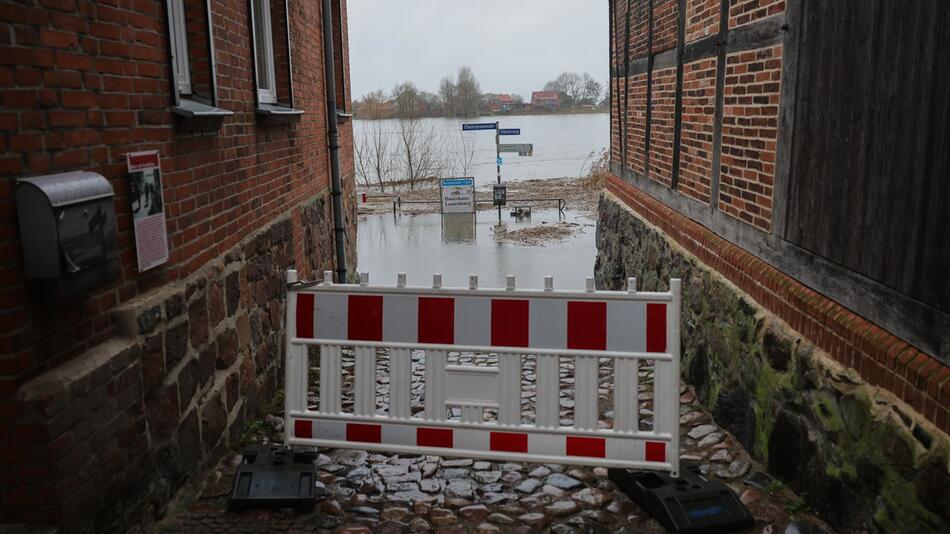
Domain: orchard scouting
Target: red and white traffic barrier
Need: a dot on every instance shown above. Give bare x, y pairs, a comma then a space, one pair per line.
586, 325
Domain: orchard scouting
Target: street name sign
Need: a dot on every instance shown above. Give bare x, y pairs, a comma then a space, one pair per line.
509, 131
523, 149
478, 126
458, 195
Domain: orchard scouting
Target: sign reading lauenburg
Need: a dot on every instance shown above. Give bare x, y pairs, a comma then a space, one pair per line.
458, 195
478, 126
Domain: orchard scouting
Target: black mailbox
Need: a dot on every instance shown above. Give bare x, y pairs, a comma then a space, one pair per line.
68, 232
499, 194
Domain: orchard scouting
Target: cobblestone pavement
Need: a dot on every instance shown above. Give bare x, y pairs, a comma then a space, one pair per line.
368, 492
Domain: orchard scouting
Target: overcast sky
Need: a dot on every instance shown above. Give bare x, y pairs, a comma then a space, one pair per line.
513, 46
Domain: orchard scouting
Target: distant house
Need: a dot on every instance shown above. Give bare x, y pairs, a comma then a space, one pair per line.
498, 102
376, 110
546, 99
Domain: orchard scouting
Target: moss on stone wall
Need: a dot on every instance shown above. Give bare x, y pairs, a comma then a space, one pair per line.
862, 459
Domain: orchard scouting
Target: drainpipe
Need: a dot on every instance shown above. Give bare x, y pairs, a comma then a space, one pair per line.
333, 132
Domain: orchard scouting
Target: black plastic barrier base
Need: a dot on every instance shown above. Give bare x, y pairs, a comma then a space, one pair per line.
274, 477
690, 503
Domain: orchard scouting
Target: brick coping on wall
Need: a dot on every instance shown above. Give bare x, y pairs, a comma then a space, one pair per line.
878, 356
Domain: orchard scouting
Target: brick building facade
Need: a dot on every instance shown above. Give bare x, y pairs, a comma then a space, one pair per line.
758, 141
109, 401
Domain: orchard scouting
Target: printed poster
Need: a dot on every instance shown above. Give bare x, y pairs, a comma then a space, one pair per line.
148, 209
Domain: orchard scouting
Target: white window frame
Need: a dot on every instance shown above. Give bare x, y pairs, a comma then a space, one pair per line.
264, 28
179, 45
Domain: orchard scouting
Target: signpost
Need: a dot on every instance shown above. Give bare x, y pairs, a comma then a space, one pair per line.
522, 149
472, 126
458, 195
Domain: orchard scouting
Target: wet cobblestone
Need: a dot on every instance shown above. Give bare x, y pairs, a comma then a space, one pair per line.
380, 493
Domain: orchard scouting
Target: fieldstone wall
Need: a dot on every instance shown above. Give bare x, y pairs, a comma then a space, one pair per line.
114, 432
863, 459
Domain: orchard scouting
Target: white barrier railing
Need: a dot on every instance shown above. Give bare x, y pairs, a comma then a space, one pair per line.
632, 329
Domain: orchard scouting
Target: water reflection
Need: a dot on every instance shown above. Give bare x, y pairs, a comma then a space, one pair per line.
458, 228
421, 245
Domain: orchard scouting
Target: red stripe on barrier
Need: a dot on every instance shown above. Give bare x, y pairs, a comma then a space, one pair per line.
436, 320
364, 318
304, 315
434, 437
656, 327
364, 433
508, 442
655, 451
303, 429
592, 447
587, 325
509, 323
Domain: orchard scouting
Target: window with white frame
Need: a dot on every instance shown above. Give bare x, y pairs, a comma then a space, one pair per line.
264, 51
179, 46
192, 66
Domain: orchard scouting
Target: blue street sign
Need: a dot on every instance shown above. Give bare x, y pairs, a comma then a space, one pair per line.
509, 131
498, 161
455, 182
478, 126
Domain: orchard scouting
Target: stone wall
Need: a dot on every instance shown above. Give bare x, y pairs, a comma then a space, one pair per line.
862, 458
106, 439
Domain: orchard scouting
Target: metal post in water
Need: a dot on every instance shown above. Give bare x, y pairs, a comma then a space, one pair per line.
498, 165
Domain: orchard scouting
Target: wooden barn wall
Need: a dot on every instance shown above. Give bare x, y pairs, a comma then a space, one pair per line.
869, 186
857, 203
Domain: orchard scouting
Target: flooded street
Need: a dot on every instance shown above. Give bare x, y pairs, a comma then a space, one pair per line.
564, 145
423, 244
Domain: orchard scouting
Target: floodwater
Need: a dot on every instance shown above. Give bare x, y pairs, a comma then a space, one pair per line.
564, 145
463, 244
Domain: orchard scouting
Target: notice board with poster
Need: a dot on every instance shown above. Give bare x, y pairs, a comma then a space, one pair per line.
148, 209
458, 195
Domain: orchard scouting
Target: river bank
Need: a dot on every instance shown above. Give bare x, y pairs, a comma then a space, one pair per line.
580, 194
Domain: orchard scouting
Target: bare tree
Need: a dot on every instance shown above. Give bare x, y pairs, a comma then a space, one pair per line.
467, 92
463, 153
406, 96
374, 157
447, 93
420, 153
569, 84
591, 89
371, 106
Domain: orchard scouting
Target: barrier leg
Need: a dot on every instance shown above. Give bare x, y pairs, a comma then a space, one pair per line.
509, 396
435, 378
400, 383
585, 393
548, 392
330, 379
626, 388
364, 401
295, 382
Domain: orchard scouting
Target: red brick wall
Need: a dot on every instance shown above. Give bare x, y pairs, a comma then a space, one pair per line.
750, 135
84, 83
746, 11
637, 123
663, 108
639, 28
665, 18
698, 128
702, 19
617, 105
